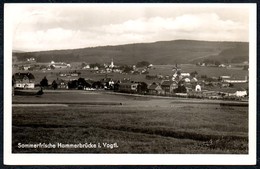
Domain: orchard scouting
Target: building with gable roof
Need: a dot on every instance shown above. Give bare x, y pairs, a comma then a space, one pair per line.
155, 89
23, 80
169, 86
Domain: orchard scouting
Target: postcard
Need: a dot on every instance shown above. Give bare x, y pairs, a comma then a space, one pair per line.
130, 84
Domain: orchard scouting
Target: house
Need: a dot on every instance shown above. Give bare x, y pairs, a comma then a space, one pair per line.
58, 65
186, 80
189, 86
95, 68
176, 72
224, 77
108, 83
198, 88
23, 80
128, 87
86, 67
61, 84
222, 65
225, 84
26, 67
210, 94
149, 66
169, 86
155, 89
62, 74
235, 81
194, 80
75, 74
185, 74
241, 92
228, 80
31, 60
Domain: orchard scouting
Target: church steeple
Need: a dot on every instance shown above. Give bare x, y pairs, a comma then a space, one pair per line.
112, 64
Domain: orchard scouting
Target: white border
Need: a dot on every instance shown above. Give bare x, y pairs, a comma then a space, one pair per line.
129, 159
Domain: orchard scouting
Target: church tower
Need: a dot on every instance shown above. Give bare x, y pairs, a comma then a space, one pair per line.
112, 64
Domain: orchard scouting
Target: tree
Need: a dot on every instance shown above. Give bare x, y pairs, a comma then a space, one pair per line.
142, 64
73, 84
181, 88
52, 67
83, 64
92, 65
246, 67
44, 82
178, 73
217, 63
194, 74
97, 85
142, 87
203, 76
54, 85
82, 83
42, 67
127, 69
116, 86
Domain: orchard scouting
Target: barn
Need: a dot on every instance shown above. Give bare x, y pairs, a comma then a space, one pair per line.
128, 87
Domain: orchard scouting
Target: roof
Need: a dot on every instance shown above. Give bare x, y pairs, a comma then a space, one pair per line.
153, 86
59, 81
59, 64
241, 85
194, 79
167, 83
128, 84
241, 89
107, 79
20, 76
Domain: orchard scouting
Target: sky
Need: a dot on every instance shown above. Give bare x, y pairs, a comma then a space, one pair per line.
39, 27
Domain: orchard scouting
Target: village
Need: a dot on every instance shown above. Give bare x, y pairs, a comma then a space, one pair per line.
177, 84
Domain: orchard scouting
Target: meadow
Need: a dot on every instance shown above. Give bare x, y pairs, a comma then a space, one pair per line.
136, 124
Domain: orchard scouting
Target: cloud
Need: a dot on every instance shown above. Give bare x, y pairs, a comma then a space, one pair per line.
48, 28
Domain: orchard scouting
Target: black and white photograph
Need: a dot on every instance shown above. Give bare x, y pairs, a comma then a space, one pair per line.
153, 82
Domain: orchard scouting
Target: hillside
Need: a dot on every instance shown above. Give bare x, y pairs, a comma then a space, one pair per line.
162, 52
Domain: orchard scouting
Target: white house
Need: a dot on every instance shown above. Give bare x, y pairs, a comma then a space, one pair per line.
198, 88
95, 68
26, 67
241, 92
187, 80
86, 67
185, 74
194, 80
235, 81
222, 65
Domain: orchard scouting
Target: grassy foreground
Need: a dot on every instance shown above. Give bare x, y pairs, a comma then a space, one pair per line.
163, 126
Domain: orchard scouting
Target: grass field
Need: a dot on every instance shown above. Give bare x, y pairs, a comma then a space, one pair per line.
136, 125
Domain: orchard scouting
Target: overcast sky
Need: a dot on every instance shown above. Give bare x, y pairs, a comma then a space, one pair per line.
38, 27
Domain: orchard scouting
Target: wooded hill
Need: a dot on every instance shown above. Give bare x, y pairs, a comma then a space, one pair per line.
161, 52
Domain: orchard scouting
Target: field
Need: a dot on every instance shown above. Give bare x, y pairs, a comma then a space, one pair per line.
133, 124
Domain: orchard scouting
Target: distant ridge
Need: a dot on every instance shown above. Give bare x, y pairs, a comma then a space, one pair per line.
161, 52
18, 51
